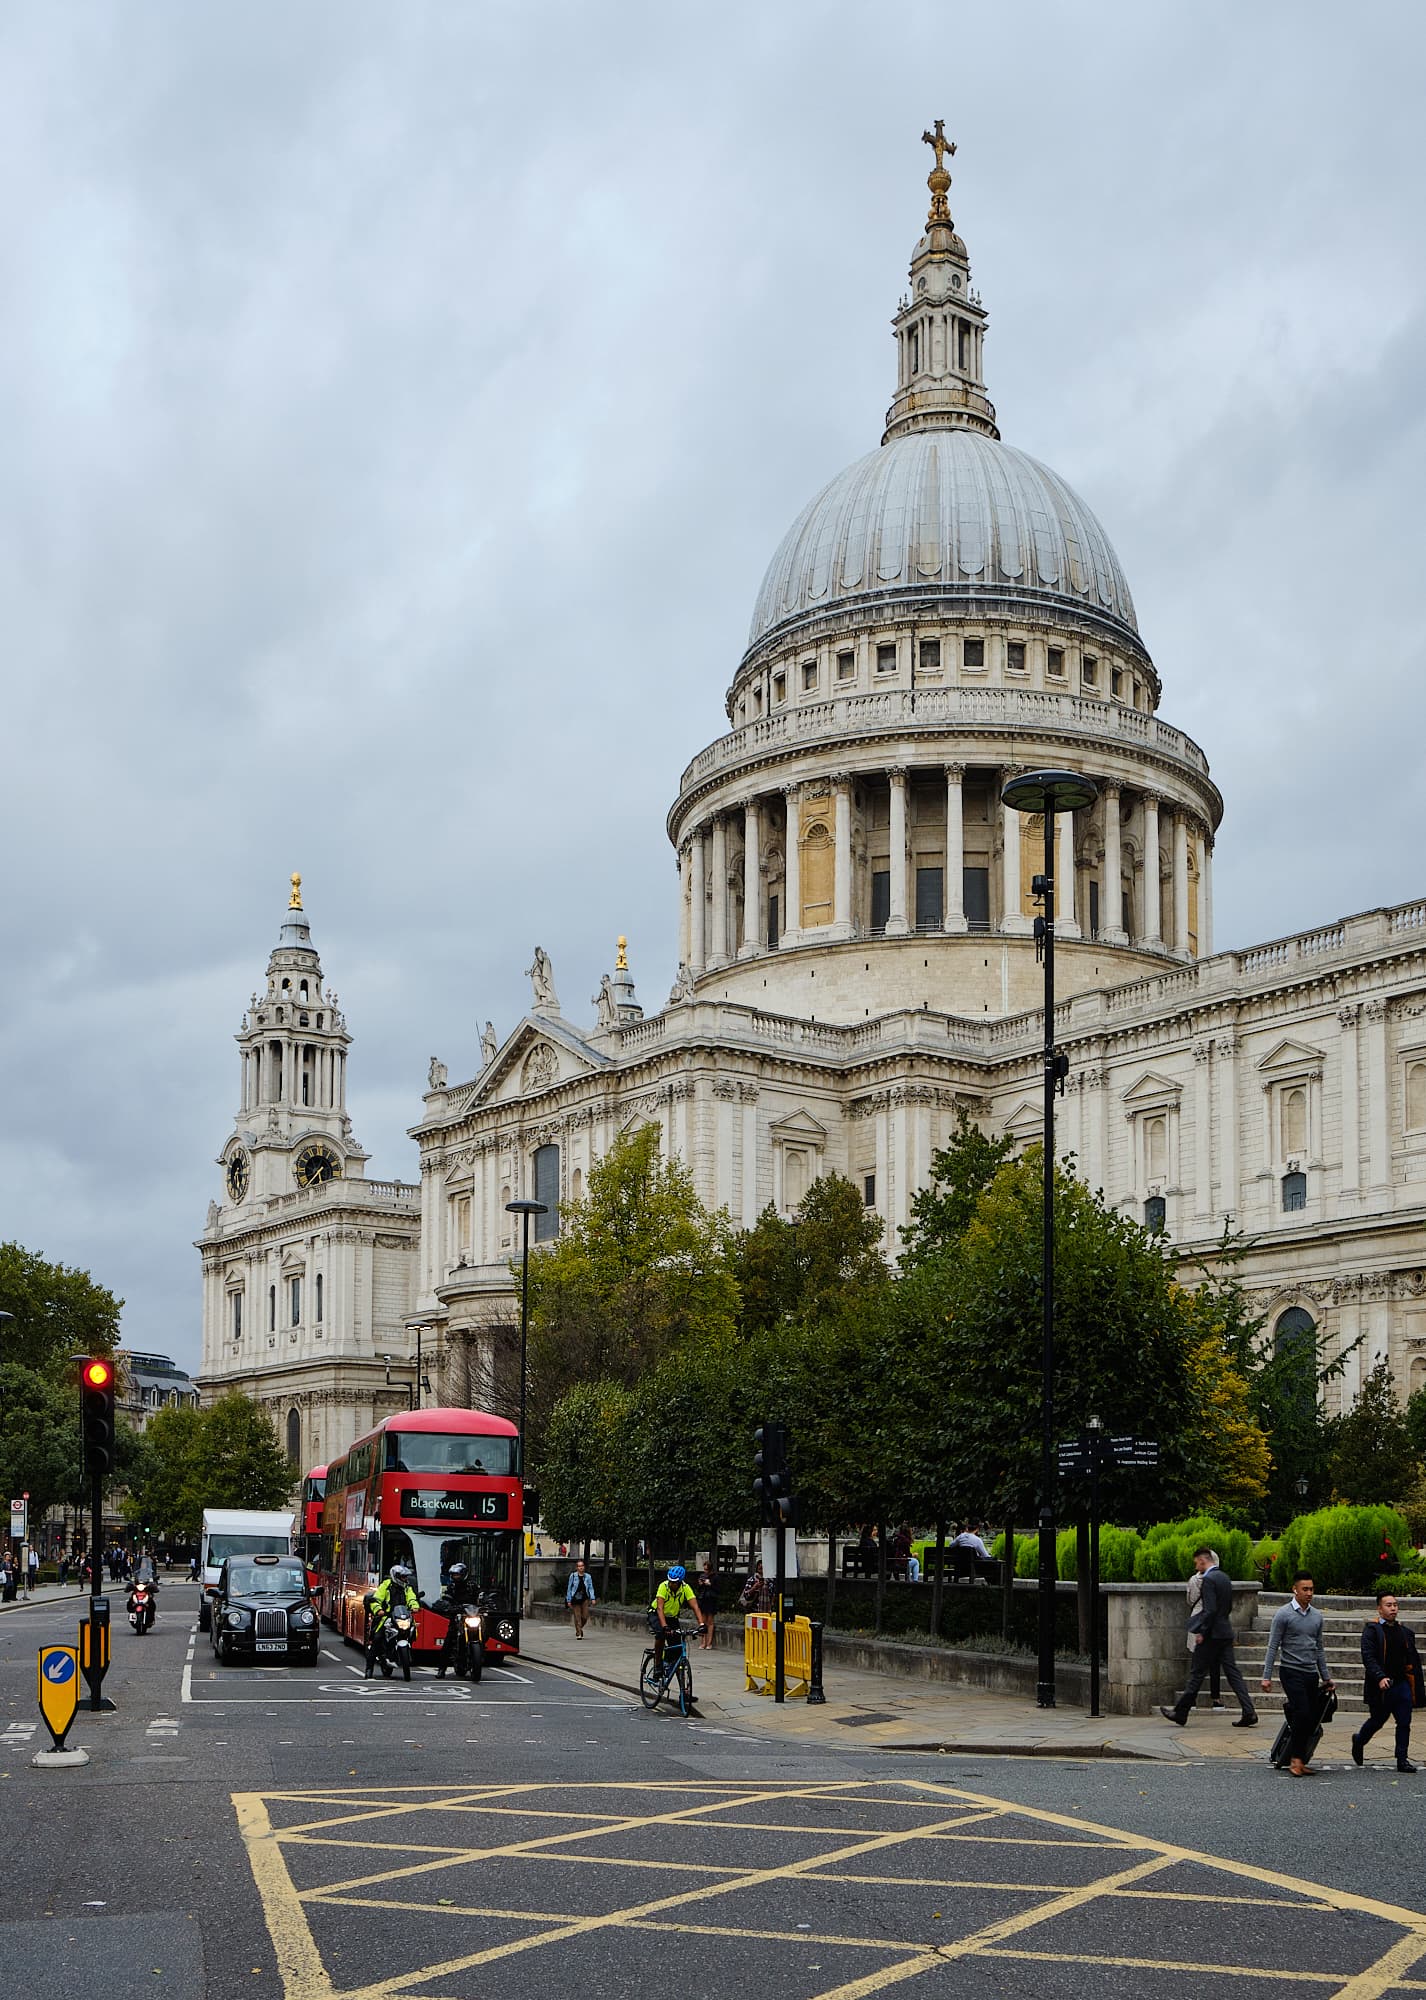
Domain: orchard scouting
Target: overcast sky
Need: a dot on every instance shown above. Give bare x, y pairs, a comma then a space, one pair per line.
399, 406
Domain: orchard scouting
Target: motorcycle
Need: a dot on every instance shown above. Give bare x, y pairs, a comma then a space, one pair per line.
394, 1643
466, 1653
142, 1609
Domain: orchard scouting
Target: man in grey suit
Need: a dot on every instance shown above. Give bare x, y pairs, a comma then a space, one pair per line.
1212, 1627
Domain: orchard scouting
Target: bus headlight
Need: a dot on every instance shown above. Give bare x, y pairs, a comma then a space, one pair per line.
505, 1630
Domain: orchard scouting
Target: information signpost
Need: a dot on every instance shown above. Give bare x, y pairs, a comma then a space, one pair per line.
1089, 1455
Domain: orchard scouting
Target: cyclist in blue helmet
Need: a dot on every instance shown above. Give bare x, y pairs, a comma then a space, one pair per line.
669, 1599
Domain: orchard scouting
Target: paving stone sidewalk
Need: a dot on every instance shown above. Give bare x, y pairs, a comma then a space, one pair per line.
889, 1712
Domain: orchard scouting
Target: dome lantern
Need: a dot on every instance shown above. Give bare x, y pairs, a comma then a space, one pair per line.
940, 325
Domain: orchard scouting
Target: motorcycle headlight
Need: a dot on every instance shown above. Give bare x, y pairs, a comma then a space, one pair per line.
235, 1618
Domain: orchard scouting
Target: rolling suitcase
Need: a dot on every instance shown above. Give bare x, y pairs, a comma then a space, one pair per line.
1280, 1755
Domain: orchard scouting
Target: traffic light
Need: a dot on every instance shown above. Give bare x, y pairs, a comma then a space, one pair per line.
96, 1396
772, 1481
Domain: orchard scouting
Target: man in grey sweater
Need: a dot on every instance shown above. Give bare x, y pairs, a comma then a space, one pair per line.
1295, 1644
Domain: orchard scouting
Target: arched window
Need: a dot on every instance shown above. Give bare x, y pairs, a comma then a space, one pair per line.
1294, 1191
1294, 1121
1156, 1214
1294, 1330
1416, 1097
576, 1185
294, 1438
1156, 1148
547, 1190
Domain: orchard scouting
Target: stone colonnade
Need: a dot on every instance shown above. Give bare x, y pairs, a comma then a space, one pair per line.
794, 865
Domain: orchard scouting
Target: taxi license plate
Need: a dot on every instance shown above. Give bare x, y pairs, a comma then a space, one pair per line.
271, 1645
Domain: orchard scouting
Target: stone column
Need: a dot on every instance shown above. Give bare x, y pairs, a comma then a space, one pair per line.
1351, 1174
792, 878
1111, 888
955, 848
1200, 862
1202, 1134
842, 883
685, 903
1012, 918
1225, 1071
1378, 1094
718, 943
896, 924
698, 906
1152, 925
1067, 923
1180, 883
752, 882
1205, 903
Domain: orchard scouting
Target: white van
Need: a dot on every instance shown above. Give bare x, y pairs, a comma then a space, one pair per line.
237, 1531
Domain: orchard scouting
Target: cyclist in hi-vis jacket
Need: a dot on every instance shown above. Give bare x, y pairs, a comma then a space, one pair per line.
669, 1599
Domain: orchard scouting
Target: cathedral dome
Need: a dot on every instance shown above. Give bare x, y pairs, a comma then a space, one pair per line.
942, 511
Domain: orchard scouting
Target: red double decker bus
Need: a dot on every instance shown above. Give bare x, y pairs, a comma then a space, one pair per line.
309, 1530
429, 1488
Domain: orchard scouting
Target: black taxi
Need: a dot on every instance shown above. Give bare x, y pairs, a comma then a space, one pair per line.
263, 1608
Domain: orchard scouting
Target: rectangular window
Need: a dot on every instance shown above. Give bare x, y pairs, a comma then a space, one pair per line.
296, 1286
973, 655
868, 1190
547, 1190
975, 890
1015, 656
930, 912
1116, 681
319, 1297
1093, 908
774, 909
779, 687
1055, 663
846, 666
1089, 670
963, 332
880, 900
913, 349
272, 1308
930, 656
809, 674
237, 1315
886, 659
1294, 1192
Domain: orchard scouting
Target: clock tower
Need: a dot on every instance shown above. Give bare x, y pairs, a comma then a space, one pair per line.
308, 1267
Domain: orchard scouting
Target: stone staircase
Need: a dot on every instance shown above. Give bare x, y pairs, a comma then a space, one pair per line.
1342, 1622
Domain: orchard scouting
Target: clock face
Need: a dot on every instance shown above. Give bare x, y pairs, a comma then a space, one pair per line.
315, 1164
238, 1175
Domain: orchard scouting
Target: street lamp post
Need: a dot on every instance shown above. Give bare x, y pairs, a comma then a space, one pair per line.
1048, 792
524, 1209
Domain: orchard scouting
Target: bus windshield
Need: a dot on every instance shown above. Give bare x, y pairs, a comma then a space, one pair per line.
492, 1560
433, 1451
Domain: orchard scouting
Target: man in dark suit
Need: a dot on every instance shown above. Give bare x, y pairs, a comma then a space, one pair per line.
1391, 1679
1212, 1626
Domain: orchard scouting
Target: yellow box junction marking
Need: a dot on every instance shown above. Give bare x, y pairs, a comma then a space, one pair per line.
356, 1821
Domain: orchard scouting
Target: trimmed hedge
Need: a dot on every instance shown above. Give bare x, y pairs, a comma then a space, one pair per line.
1345, 1548
1410, 1583
1167, 1552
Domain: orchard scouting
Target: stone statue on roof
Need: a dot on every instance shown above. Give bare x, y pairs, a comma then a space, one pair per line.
542, 981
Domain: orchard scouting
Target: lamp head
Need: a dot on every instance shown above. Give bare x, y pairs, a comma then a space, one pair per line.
1049, 791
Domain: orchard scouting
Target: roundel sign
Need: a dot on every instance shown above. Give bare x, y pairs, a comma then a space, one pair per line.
59, 1689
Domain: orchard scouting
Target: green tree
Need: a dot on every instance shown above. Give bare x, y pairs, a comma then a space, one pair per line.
1373, 1458
805, 1266
57, 1313
239, 1462
166, 1489
586, 1487
639, 1265
961, 1171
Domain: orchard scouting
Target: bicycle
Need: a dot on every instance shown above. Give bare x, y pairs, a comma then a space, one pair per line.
654, 1685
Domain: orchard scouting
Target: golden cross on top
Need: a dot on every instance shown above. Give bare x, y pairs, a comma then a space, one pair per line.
939, 178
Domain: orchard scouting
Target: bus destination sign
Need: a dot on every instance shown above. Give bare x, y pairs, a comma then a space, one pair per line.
429, 1503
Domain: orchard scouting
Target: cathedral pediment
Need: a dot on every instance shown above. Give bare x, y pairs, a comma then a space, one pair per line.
541, 1051
1288, 1058
1151, 1088
1027, 1120
801, 1125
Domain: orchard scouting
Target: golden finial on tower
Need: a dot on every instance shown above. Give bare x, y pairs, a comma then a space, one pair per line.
621, 963
939, 179
294, 901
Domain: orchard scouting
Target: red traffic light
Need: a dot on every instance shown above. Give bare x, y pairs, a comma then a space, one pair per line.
97, 1374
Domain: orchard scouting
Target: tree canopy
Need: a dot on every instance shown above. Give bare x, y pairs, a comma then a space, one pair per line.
224, 1456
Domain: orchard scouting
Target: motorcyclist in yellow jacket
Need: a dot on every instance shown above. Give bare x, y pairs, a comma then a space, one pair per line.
398, 1587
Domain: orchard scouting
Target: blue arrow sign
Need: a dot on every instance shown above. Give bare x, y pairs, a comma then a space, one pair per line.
57, 1665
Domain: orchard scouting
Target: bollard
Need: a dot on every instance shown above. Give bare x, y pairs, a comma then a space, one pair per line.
94, 1652
814, 1678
